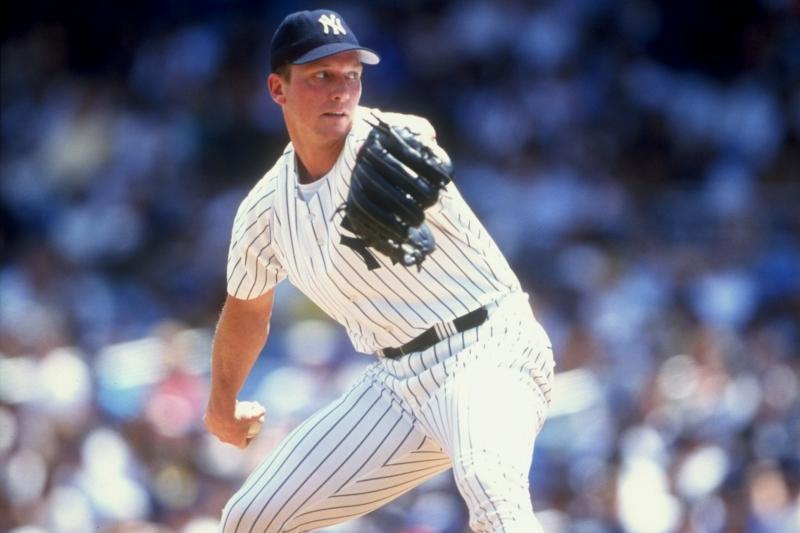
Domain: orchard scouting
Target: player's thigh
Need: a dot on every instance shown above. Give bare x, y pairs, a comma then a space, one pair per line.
498, 413
499, 410
342, 462
391, 472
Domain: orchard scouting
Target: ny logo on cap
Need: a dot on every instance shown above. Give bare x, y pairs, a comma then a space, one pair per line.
332, 22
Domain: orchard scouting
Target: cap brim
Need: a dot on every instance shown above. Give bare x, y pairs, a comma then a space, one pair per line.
365, 55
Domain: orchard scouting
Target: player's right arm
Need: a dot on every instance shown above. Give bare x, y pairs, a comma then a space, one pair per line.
253, 271
241, 333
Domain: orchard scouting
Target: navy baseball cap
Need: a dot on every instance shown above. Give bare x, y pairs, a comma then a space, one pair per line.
306, 36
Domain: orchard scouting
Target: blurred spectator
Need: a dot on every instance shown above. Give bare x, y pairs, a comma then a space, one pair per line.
637, 161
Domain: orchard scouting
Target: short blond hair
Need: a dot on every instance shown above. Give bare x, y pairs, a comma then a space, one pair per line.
285, 71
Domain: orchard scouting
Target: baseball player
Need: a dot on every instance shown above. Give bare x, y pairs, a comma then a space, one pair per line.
462, 371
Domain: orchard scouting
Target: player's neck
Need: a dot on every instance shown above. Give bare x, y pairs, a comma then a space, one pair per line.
315, 160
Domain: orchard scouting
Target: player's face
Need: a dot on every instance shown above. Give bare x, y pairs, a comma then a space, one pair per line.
320, 97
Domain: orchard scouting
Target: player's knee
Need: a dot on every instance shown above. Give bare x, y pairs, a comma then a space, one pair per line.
234, 517
242, 515
496, 492
229, 520
266, 512
493, 494
492, 470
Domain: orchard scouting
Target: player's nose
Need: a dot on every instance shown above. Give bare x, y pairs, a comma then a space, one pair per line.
340, 95
341, 90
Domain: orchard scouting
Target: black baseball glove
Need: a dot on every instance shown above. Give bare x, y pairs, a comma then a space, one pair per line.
395, 178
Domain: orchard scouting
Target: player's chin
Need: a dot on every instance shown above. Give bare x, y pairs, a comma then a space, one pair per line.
335, 125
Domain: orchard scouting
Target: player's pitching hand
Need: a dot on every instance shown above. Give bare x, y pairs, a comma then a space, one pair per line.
239, 427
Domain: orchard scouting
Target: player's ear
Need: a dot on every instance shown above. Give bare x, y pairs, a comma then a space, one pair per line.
277, 88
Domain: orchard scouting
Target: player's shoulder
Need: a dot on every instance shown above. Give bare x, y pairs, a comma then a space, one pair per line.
263, 192
417, 124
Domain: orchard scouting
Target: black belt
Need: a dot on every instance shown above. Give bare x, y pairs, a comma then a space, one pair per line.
438, 332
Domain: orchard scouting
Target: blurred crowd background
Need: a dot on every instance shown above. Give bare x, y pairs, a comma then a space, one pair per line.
638, 161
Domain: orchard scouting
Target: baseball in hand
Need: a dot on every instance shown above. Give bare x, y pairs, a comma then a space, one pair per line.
248, 410
255, 428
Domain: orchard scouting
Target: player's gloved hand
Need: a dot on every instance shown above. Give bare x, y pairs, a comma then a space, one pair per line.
237, 426
395, 178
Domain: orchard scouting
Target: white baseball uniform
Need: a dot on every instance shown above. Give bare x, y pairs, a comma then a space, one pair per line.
474, 401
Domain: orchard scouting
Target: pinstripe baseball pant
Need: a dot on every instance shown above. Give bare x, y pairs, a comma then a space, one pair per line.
474, 402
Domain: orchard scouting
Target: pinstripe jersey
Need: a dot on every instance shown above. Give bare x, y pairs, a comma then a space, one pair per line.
277, 234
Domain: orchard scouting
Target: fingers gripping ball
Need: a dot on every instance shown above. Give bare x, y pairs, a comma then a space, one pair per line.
395, 179
255, 427
256, 412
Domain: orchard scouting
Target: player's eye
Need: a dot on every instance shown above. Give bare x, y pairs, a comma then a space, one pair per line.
321, 75
354, 75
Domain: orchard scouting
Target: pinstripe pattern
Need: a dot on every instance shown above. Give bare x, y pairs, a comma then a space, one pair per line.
345, 461
408, 419
505, 367
277, 234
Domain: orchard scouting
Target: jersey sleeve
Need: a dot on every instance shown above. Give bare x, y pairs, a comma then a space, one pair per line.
253, 265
